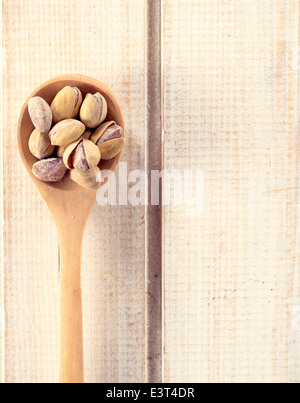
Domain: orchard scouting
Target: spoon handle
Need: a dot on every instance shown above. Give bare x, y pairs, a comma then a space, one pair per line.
71, 338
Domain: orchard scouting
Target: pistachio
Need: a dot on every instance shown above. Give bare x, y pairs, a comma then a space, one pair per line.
66, 131
40, 114
82, 155
90, 179
93, 110
49, 170
61, 150
39, 144
87, 135
109, 137
66, 104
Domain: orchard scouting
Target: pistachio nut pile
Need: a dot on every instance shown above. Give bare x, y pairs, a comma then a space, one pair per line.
71, 135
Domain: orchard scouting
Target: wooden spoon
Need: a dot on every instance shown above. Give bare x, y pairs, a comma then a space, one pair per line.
70, 206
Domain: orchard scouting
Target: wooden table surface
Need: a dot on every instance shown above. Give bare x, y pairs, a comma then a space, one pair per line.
205, 85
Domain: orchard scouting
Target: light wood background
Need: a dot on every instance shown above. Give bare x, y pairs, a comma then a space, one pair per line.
205, 85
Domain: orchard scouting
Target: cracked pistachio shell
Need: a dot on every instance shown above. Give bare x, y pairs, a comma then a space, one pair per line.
82, 155
40, 114
49, 170
90, 179
109, 138
66, 131
66, 104
87, 135
61, 150
93, 110
39, 145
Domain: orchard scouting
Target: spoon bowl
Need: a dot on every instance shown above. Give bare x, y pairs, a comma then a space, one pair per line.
48, 90
70, 206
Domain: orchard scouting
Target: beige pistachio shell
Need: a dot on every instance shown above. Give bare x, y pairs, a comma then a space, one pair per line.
66, 104
93, 110
82, 155
68, 154
90, 179
100, 130
61, 150
66, 131
39, 145
87, 135
49, 170
111, 148
109, 138
86, 155
40, 114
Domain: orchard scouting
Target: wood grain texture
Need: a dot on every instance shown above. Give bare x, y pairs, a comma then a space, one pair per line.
231, 109
43, 39
2, 314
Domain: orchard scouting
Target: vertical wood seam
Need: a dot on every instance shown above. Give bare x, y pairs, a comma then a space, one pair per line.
153, 226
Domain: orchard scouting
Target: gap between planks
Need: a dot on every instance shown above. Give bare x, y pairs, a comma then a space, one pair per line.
154, 214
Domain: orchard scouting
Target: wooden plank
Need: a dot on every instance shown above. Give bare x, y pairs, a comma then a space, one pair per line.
231, 109
105, 40
2, 315
294, 333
